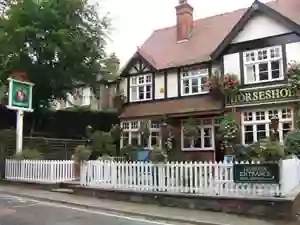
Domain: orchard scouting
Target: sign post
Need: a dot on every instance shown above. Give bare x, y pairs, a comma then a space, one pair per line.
20, 100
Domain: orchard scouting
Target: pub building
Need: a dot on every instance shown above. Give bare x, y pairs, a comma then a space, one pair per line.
166, 77
256, 108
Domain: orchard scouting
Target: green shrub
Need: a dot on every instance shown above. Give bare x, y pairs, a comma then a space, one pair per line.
158, 155
267, 150
264, 150
242, 153
103, 144
82, 153
292, 142
29, 153
129, 152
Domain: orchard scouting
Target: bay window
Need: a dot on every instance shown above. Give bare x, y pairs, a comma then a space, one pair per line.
262, 65
206, 136
132, 136
256, 124
141, 88
193, 82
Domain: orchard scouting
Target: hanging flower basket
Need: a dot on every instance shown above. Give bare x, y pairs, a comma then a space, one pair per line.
227, 85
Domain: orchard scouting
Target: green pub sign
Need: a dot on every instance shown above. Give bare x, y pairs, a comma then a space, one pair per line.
20, 95
256, 173
257, 96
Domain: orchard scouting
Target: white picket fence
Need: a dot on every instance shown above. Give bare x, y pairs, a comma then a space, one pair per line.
201, 178
41, 171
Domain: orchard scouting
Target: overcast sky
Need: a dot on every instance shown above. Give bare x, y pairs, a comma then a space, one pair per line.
134, 20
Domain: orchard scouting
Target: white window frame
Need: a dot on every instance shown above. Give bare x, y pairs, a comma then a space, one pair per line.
136, 84
202, 126
256, 63
194, 74
86, 96
130, 130
254, 122
70, 98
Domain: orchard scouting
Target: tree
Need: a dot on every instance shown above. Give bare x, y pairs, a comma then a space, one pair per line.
59, 43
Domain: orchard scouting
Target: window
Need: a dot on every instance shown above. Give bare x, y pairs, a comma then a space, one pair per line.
131, 135
69, 100
263, 65
205, 139
256, 124
141, 88
193, 82
86, 96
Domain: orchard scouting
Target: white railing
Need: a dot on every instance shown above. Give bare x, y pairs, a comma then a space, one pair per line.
42, 171
200, 178
203, 178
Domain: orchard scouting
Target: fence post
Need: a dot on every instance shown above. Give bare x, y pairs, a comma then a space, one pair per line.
282, 185
52, 171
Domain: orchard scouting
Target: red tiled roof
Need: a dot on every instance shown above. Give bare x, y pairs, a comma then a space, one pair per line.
203, 104
162, 50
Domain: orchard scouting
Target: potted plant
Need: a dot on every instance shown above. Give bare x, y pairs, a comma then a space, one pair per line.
80, 156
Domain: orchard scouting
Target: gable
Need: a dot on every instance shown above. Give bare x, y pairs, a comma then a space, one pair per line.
256, 9
139, 67
260, 26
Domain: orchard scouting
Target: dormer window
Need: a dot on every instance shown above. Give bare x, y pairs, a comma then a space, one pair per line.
141, 88
263, 65
193, 82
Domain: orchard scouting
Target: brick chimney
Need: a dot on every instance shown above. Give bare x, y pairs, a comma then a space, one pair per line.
184, 12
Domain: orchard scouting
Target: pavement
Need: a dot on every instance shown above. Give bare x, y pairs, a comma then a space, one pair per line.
126, 209
20, 211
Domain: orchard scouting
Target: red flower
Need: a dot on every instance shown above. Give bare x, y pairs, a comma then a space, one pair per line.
233, 81
208, 84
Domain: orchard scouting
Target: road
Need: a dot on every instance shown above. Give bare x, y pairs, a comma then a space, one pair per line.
20, 211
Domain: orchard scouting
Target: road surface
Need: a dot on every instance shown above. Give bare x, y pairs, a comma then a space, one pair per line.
20, 211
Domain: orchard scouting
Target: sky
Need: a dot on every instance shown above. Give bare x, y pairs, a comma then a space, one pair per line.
133, 21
